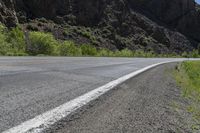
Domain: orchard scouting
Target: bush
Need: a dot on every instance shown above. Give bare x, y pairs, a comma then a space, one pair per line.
198, 48
68, 48
12, 42
88, 50
17, 40
151, 54
42, 43
31, 27
194, 54
43, 20
124, 53
185, 55
103, 53
4, 45
139, 53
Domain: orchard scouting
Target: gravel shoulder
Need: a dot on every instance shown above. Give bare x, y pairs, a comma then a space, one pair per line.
148, 103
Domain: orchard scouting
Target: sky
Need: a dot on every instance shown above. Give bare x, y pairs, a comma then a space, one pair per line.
198, 1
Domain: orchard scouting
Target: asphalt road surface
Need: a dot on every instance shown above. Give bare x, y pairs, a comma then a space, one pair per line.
30, 86
136, 106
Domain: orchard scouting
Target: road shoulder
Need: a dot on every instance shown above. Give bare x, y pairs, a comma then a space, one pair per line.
148, 102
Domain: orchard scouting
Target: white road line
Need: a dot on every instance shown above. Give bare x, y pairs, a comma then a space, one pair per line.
45, 120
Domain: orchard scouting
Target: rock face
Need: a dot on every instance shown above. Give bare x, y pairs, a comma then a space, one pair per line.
164, 26
7, 13
42, 8
87, 12
179, 14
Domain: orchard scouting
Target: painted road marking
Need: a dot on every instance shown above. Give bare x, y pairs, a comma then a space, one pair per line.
45, 120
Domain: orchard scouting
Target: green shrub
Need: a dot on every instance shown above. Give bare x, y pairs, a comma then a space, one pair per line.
32, 27
42, 43
194, 54
103, 53
88, 50
17, 40
185, 55
43, 20
139, 53
5, 47
150, 54
124, 53
86, 32
68, 48
12, 42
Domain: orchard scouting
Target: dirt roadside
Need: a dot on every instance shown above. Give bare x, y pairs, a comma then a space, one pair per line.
148, 103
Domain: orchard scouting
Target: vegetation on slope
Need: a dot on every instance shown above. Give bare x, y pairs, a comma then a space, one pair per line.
188, 77
115, 24
14, 42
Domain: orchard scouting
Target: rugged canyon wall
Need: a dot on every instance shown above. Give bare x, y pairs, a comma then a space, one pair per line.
179, 14
159, 25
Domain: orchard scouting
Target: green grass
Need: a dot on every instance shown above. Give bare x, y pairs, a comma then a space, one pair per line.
187, 75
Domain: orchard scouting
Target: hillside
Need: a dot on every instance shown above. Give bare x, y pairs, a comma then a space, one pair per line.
163, 26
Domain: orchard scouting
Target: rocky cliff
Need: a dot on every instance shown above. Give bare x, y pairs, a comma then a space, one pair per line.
179, 14
7, 13
164, 26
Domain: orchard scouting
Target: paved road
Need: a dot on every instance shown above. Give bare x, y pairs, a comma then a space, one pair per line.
30, 86
136, 106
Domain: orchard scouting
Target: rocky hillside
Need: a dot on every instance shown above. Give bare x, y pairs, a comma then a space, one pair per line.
7, 13
163, 26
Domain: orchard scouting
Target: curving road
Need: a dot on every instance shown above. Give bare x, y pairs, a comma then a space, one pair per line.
30, 86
